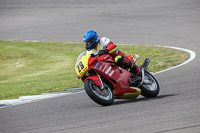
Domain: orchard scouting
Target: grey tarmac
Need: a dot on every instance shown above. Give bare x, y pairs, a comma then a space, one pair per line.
155, 22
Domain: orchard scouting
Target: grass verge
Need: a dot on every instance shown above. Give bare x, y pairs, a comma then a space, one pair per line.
31, 68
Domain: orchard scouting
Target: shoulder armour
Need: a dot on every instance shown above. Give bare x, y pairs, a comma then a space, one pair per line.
105, 41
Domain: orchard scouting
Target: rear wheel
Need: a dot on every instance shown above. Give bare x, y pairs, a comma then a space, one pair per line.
150, 86
103, 96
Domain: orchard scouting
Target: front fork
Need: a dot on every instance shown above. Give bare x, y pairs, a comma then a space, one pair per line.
142, 78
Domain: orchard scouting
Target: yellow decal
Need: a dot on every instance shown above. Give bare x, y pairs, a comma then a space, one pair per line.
130, 95
81, 66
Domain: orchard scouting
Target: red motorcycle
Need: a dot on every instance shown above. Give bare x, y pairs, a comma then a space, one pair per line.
104, 80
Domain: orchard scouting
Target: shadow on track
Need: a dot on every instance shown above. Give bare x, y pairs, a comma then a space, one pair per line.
125, 101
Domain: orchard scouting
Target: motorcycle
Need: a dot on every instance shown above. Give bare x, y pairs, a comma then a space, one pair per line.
104, 81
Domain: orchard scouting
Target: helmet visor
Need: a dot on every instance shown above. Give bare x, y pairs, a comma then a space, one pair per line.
89, 42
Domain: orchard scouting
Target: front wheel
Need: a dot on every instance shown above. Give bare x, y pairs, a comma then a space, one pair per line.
101, 96
150, 86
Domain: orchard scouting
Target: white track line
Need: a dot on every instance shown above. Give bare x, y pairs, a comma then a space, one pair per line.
34, 98
192, 57
28, 99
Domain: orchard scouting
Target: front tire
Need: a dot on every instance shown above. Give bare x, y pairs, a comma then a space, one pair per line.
151, 87
103, 97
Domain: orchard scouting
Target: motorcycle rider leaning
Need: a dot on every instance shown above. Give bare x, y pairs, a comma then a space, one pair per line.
105, 46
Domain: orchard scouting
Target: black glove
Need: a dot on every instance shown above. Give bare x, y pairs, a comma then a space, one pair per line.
102, 52
92, 55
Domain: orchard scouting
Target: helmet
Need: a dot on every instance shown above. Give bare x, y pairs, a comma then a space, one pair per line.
91, 39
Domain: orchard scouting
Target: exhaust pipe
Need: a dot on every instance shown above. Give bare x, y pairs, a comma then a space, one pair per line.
146, 63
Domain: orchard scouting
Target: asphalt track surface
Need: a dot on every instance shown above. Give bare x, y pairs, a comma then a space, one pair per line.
157, 22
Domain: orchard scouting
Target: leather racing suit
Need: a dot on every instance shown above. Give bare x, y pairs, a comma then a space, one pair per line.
105, 46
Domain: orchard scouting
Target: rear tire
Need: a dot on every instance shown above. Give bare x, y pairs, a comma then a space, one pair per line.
151, 89
103, 97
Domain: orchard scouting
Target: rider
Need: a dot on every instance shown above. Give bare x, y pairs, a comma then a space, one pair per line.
105, 46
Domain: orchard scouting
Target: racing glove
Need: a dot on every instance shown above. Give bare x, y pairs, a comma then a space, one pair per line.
102, 52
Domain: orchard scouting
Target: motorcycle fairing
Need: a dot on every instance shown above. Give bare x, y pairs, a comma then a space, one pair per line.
95, 79
130, 95
118, 76
106, 58
81, 66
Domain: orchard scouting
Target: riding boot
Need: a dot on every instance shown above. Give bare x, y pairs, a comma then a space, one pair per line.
126, 63
134, 69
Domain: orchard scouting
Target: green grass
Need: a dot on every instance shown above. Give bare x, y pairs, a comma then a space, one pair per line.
30, 68
160, 57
